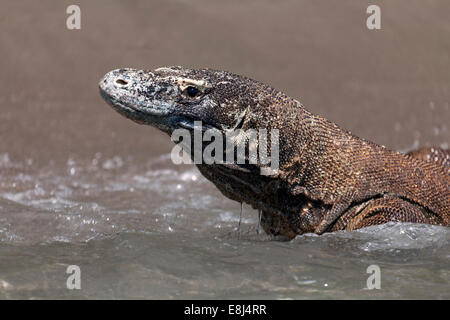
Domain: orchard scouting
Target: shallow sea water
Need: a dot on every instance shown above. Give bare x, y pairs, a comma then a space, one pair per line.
158, 231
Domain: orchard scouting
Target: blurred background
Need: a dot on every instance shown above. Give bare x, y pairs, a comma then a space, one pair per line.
391, 86
73, 171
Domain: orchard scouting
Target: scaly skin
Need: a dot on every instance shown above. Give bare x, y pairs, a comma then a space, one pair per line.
436, 155
328, 179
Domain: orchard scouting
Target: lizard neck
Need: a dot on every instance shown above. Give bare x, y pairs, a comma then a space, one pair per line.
315, 154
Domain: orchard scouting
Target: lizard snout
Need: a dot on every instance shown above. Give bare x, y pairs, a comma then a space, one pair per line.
119, 78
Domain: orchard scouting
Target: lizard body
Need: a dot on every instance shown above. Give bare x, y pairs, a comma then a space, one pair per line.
328, 178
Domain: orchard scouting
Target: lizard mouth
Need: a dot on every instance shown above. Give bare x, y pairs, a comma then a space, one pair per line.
113, 89
120, 88
124, 109
162, 119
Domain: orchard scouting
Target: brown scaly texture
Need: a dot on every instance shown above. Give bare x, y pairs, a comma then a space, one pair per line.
432, 154
328, 180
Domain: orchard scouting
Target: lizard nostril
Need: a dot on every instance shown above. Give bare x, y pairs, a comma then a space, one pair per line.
121, 82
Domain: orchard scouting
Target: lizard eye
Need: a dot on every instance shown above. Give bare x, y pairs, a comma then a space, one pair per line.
192, 91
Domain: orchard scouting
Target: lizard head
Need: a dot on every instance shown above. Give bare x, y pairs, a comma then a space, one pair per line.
174, 97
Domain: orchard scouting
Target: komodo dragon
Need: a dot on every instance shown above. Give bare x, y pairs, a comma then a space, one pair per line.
328, 179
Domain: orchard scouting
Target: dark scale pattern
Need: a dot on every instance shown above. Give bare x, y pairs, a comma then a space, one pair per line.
328, 179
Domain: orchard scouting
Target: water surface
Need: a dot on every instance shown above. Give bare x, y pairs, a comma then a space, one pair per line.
155, 230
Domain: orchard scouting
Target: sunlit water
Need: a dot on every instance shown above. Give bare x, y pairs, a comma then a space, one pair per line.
157, 231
